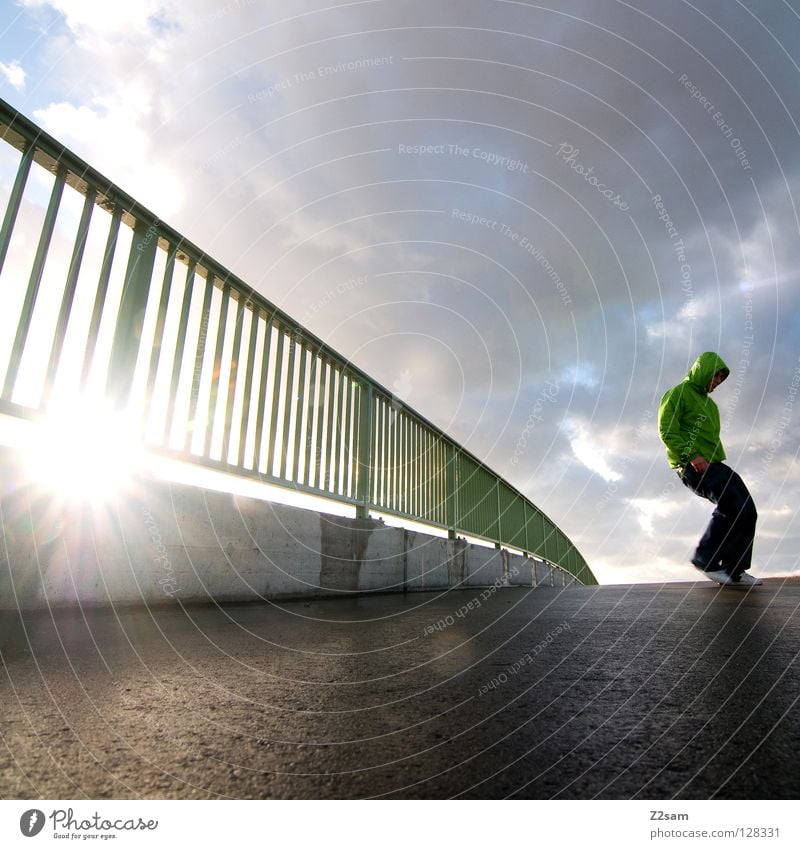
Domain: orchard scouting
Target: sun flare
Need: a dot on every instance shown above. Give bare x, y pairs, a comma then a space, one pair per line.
84, 451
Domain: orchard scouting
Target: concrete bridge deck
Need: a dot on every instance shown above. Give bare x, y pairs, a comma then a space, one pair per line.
650, 691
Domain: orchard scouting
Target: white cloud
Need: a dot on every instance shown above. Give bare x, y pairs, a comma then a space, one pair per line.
101, 16
588, 451
109, 135
14, 73
650, 508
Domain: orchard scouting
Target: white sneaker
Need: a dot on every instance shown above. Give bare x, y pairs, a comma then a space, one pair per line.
746, 580
722, 578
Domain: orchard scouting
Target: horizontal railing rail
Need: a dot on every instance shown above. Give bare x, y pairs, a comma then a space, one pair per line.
101, 298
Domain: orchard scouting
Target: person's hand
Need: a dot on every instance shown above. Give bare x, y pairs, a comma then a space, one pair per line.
699, 464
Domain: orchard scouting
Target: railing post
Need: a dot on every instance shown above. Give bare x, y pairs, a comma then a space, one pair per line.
125, 347
365, 431
451, 490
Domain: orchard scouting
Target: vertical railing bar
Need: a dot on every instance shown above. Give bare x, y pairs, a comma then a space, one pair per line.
405, 478
366, 448
388, 433
261, 400
158, 336
422, 459
287, 405
68, 298
299, 408
329, 424
357, 437
311, 468
498, 523
215, 375
377, 477
402, 461
524, 539
100, 297
414, 504
437, 474
437, 491
177, 359
319, 435
276, 399
451, 484
404, 485
325, 376
380, 464
26, 315
233, 374
430, 470
414, 468
126, 344
396, 460
199, 356
248, 386
337, 455
384, 459
348, 446
14, 201
418, 469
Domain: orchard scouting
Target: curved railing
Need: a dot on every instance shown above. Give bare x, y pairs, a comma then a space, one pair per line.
220, 376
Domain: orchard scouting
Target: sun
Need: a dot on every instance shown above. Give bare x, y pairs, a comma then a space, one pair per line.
83, 451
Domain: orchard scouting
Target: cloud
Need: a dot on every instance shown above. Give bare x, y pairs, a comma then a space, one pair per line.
99, 17
649, 509
483, 282
110, 135
14, 73
588, 451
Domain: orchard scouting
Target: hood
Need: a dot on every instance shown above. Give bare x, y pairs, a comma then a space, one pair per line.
704, 368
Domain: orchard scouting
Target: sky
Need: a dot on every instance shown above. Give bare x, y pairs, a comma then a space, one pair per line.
527, 220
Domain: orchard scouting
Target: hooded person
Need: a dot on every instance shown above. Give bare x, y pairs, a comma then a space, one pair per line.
688, 424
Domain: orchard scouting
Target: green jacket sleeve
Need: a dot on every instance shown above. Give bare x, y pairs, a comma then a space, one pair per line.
671, 427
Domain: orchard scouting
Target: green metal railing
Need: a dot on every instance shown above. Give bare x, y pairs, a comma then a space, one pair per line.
114, 302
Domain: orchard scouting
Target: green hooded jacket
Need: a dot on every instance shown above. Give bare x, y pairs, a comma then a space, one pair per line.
688, 420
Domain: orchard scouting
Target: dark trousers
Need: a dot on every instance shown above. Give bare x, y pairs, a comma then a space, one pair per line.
727, 543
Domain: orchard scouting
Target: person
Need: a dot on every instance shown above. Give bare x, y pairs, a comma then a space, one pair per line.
688, 424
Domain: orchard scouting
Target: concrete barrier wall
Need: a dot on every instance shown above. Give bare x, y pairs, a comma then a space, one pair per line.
165, 542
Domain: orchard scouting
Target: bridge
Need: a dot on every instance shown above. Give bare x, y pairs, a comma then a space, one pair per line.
126, 348
165, 638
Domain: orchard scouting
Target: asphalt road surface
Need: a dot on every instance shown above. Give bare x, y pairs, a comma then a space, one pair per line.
650, 691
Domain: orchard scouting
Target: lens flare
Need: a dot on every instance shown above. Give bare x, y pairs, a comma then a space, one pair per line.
83, 452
